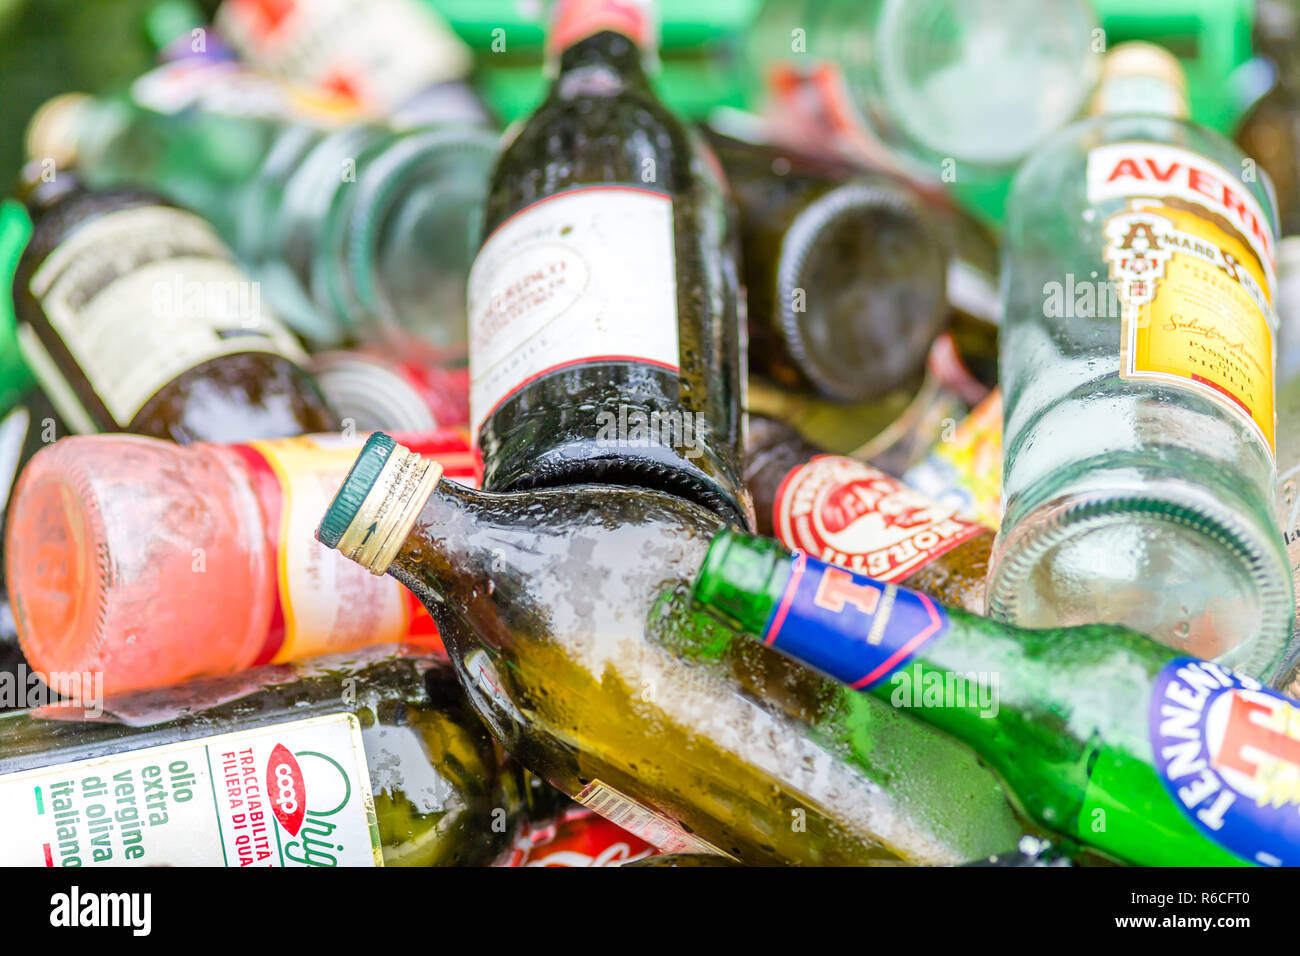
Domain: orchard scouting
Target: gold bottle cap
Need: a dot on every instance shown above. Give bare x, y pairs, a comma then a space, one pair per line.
52, 131
1139, 77
376, 506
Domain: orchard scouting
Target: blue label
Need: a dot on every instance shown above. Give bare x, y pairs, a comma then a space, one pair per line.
857, 630
1228, 752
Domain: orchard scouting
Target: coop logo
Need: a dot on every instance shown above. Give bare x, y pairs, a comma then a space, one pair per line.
847, 513
1228, 751
304, 812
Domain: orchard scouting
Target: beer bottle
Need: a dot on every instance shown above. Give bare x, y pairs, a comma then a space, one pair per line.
848, 513
603, 304
153, 563
366, 759
844, 273
1103, 735
134, 318
567, 614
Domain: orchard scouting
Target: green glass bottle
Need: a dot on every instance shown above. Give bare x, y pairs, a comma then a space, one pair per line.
567, 614
1103, 735
605, 340
370, 758
351, 227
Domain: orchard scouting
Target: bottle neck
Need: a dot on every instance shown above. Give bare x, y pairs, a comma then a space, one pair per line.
1140, 93
772, 450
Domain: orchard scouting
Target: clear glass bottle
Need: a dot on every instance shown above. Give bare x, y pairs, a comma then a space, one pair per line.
351, 228
973, 84
1137, 370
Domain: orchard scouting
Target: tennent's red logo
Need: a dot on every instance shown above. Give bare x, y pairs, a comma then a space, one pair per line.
286, 789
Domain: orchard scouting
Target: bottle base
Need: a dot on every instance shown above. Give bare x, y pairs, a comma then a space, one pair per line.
1164, 559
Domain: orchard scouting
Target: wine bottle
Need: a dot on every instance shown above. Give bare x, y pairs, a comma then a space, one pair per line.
367, 759
134, 318
844, 272
603, 304
567, 614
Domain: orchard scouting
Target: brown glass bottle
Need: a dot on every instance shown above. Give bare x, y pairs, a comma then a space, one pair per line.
844, 272
603, 306
133, 317
848, 513
567, 614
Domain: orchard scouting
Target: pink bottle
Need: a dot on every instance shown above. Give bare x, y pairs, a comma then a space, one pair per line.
153, 563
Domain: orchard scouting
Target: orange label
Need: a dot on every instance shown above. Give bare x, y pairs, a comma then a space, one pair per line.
1190, 258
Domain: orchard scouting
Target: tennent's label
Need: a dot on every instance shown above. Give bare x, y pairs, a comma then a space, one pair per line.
1228, 752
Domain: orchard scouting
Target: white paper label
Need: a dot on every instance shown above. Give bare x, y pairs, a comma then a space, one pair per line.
584, 275
657, 830
291, 794
143, 295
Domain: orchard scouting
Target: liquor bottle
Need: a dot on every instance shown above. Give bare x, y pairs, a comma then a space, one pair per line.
567, 614
955, 91
603, 305
377, 388
1148, 755
398, 60
1286, 676
848, 513
352, 228
153, 563
844, 273
133, 317
1137, 372
366, 759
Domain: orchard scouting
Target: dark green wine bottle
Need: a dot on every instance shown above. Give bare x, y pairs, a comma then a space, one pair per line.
844, 272
603, 304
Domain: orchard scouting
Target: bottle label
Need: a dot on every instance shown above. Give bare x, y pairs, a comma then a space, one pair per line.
291, 794
856, 630
328, 603
378, 60
654, 828
578, 838
139, 297
1228, 753
1191, 259
847, 513
583, 276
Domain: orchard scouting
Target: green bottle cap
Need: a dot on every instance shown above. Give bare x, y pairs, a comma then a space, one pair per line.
742, 579
352, 493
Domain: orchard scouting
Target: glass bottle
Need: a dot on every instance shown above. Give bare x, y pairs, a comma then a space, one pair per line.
1148, 755
603, 305
133, 317
366, 759
151, 564
567, 614
1137, 371
353, 228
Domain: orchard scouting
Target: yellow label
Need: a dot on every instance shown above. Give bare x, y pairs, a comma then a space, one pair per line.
1196, 303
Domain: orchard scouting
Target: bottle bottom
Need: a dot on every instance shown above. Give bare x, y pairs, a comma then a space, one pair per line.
1165, 559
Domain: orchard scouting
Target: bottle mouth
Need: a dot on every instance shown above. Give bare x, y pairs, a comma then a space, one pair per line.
1181, 569
861, 290
57, 563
